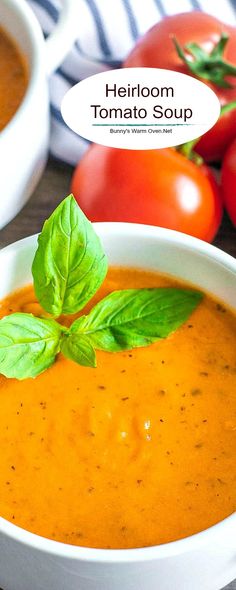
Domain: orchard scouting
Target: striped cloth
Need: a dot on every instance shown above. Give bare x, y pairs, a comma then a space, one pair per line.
107, 30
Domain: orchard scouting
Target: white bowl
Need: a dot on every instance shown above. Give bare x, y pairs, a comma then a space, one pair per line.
205, 561
24, 141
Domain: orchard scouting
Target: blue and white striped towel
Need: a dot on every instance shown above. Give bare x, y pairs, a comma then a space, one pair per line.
107, 30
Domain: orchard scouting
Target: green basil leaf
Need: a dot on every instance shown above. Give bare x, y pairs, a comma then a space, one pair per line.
28, 345
69, 265
79, 349
136, 317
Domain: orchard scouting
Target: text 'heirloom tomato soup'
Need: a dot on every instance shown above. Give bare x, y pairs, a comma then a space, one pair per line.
13, 78
137, 452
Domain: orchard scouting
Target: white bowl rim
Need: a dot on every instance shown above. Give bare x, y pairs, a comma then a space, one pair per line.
35, 35
142, 554
131, 229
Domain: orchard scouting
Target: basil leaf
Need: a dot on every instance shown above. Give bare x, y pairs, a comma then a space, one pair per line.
136, 317
69, 265
79, 349
28, 345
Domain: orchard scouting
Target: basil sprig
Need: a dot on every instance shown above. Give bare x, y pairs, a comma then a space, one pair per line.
28, 345
79, 349
68, 268
135, 317
69, 265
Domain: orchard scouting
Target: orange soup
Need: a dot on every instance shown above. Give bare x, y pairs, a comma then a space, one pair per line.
137, 452
13, 78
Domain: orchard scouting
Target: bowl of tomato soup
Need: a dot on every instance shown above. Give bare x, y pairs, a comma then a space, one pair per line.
124, 476
26, 61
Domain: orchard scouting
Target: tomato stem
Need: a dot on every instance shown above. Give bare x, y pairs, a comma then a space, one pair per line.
187, 149
228, 107
209, 66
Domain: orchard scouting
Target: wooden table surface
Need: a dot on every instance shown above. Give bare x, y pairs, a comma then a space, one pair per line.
54, 186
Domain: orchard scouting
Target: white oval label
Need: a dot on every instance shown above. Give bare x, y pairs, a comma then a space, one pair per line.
140, 108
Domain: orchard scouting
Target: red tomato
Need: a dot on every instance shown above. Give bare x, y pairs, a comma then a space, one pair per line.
213, 144
156, 187
228, 181
156, 49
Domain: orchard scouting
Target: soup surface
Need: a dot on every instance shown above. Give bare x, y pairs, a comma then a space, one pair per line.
139, 451
13, 78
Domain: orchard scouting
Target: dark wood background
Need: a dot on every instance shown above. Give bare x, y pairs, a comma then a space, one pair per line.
53, 187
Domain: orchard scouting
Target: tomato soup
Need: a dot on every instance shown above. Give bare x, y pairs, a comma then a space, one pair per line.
13, 78
137, 452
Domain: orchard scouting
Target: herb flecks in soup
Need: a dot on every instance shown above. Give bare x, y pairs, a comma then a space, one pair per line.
137, 452
13, 78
